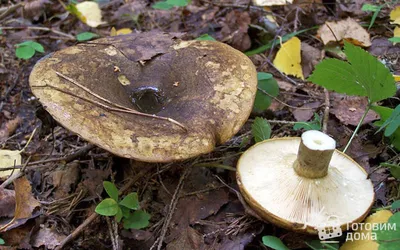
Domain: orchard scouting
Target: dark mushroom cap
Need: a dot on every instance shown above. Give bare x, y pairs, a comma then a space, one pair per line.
207, 86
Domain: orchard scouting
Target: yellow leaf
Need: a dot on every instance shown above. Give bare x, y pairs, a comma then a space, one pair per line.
288, 58
396, 78
91, 13
395, 15
396, 32
124, 31
113, 31
366, 243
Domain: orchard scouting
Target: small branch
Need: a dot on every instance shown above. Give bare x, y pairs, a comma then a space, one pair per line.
11, 9
326, 112
215, 165
357, 128
70, 37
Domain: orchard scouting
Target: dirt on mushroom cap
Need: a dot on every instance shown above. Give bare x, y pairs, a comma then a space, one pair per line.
207, 86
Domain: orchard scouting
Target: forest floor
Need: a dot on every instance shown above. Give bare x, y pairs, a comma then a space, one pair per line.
61, 175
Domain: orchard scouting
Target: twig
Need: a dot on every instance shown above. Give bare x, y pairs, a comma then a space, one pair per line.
215, 165
172, 206
119, 108
110, 230
42, 29
11, 9
276, 99
93, 216
358, 127
250, 7
326, 112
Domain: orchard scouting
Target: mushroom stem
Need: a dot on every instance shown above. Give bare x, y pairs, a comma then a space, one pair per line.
314, 155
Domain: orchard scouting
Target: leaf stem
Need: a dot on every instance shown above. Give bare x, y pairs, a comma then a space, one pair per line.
358, 126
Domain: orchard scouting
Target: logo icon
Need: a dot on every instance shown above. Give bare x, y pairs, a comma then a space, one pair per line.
325, 233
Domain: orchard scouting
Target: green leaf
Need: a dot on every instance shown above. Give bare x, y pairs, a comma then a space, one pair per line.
260, 129
395, 171
107, 207
162, 5
396, 205
389, 237
385, 114
369, 7
394, 39
86, 36
179, 3
376, 79
338, 76
312, 125
37, 46
119, 215
205, 37
392, 123
125, 211
130, 201
111, 190
364, 76
274, 243
318, 245
137, 220
25, 52
2, 242
266, 84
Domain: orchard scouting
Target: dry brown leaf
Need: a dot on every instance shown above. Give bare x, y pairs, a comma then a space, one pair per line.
25, 203
9, 127
48, 238
304, 115
349, 109
347, 29
310, 56
7, 202
235, 29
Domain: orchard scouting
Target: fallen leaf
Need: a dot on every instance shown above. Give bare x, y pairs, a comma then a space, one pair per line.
188, 239
25, 203
91, 13
350, 109
288, 58
235, 28
310, 56
395, 15
9, 158
47, 237
366, 243
303, 115
347, 29
7, 202
271, 2
9, 127
396, 32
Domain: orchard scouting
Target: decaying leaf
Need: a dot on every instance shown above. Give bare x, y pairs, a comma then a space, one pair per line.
90, 13
288, 59
310, 56
271, 2
25, 203
347, 29
349, 109
9, 158
235, 29
9, 127
7, 202
395, 15
47, 237
366, 243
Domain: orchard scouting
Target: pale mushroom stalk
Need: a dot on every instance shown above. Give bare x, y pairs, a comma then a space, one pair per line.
314, 155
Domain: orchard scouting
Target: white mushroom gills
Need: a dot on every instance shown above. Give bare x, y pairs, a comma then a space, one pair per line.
314, 155
303, 183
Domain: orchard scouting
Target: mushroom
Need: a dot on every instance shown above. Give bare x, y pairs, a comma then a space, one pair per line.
149, 96
304, 184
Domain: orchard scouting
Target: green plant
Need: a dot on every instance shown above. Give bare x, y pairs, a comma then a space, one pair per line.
315, 124
375, 9
260, 129
205, 37
2, 242
390, 121
169, 4
274, 243
362, 75
267, 89
27, 49
86, 36
388, 234
121, 209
